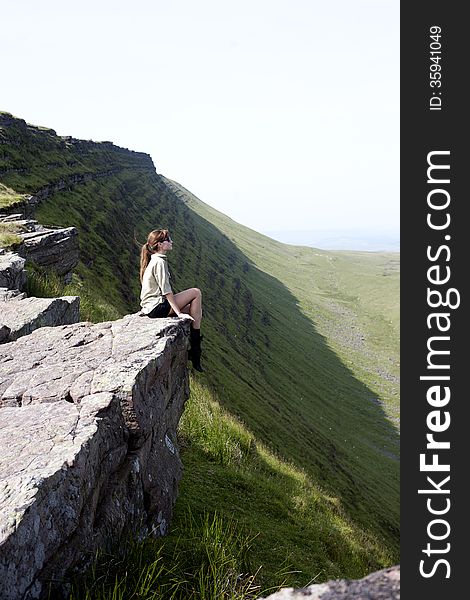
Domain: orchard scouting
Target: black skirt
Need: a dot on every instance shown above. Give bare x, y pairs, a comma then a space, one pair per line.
161, 311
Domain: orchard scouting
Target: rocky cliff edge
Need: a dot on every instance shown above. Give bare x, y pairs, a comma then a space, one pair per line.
88, 418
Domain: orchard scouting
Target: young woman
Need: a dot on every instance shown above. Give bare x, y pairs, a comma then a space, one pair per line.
157, 299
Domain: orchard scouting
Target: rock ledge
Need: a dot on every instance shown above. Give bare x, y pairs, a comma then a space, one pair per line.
382, 585
88, 418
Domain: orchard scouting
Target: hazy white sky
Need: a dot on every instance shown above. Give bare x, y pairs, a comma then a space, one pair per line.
281, 114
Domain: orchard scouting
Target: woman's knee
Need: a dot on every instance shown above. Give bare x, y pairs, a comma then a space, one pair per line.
197, 293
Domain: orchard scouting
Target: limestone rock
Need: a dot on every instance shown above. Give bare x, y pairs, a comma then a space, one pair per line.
21, 223
12, 272
6, 294
4, 333
54, 249
382, 585
24, 315
88, 418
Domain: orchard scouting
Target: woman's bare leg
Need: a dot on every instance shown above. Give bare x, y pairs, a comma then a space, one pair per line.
191, 298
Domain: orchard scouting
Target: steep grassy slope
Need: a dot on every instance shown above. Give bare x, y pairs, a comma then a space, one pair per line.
351, 297
300, 344
329, 368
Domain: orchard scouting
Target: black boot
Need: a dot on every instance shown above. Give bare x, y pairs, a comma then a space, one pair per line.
195, 349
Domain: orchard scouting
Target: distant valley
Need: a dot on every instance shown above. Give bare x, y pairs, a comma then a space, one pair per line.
366, 241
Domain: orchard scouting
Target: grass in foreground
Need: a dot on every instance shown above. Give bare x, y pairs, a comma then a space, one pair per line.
206, 558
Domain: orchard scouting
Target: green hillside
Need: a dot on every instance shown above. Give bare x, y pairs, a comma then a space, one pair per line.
292, 430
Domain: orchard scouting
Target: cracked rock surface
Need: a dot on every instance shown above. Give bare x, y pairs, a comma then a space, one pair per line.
88, 418
54, 249
382, 585
23, 315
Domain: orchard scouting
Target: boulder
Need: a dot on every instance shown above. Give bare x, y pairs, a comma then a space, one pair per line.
24, 315
382, 585
12, 271
53, 249
4, 333
6, 294
88, 449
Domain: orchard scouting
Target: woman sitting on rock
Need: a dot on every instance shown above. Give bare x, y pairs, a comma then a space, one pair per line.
157, 299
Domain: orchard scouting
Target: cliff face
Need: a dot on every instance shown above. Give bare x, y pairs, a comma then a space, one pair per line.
88, 417
37, 162
54, 249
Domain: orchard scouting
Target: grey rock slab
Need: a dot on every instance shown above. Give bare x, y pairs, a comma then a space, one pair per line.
13, 217
88, 448
4, 333
6, 294
22, 224
381, 585
24, 315
12, 272
47, 475
55, 249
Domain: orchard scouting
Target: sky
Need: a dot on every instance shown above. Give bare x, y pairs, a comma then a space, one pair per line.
284, 115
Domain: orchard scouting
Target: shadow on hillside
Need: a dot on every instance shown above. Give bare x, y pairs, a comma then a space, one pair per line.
276, 372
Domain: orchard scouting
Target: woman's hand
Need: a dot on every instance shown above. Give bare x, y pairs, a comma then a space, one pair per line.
185, 316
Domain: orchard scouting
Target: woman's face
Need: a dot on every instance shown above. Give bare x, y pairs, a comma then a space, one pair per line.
167, 244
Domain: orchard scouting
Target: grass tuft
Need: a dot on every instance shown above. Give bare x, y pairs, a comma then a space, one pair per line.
206, 558
9, 238
47, 284
9, 197
220, 435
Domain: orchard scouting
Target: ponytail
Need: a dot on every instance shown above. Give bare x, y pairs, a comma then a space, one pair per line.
144, 259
